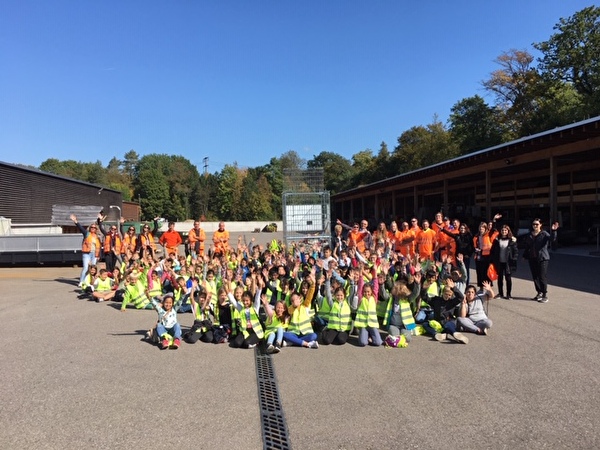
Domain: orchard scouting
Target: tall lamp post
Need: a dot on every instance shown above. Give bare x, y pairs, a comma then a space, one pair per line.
119, 208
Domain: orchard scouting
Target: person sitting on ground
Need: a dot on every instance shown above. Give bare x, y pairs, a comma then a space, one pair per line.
276, 324
339, 324
103, 287
167, 328
249, 329
472, 316
444, 308
300, 331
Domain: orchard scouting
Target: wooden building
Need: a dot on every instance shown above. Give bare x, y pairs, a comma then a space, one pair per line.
27, 196
554, 175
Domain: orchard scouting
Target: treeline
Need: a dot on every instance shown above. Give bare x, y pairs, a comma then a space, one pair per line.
529, 96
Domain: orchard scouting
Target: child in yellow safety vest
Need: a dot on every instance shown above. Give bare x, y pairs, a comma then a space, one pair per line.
250, 330
300, 332
340, 317
277, 323
103, 287
366, 315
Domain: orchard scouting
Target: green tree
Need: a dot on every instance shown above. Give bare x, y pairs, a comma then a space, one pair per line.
363, 165
422, 146
229, 194
338, 171
474, 125
571, 55
516, 88
165, 184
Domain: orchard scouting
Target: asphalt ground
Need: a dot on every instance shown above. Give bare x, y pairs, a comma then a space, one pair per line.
76, 374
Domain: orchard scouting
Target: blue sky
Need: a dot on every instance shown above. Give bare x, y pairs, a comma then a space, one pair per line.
244, 81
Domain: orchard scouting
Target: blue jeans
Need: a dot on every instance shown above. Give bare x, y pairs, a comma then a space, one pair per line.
88, 258
298, 339
175, 331
276, 337
363, 336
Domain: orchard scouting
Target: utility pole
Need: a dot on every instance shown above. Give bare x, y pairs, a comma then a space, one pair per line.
205, 165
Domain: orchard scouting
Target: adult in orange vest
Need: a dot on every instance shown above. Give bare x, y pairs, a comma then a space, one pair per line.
129, 246
112, 245
196, 238
145, 240
482, 243
221, 240
90, 247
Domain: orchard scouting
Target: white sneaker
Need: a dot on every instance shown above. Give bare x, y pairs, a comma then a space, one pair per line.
313, 344
440, 336
459, 337
270, 348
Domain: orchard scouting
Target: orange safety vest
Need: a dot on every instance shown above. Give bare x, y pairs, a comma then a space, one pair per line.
486, 245
221, 247
147, 240
107, 242
197, 236
86, 246
129, 243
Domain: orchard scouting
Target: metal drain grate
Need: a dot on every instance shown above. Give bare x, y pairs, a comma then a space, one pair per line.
274, 428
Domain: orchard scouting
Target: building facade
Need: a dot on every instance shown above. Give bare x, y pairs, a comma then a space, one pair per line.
553, 175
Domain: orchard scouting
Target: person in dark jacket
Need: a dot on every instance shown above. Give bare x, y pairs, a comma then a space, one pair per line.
504, 257
536, 252
464, 245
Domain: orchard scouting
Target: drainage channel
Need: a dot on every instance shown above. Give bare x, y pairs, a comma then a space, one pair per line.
274, 427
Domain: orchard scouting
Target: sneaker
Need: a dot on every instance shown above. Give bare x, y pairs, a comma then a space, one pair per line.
440, 337
251, 345
459, 337
485, 331
270, 348
148, 335
537, 297
543, 299
285, 344
164, 344
313, 344
176, 343
508, 297
498, 295
276, 349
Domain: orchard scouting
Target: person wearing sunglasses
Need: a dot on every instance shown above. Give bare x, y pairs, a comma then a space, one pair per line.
90, 247
146, 244
112, 245
537, 253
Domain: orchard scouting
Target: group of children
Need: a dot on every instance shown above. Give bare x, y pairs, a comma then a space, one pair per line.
305, 295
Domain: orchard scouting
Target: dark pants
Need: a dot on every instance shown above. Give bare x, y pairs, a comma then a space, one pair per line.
539, 270
110, 260
241, 342
504, 273
334, 337
481, 267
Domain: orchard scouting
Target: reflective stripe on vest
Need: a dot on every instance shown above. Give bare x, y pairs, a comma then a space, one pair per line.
138, 296
104, 285
325, 310
86, 246
256, 326
300, 321
273, 324
406, 315
366, 314
156, 289
340, 318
